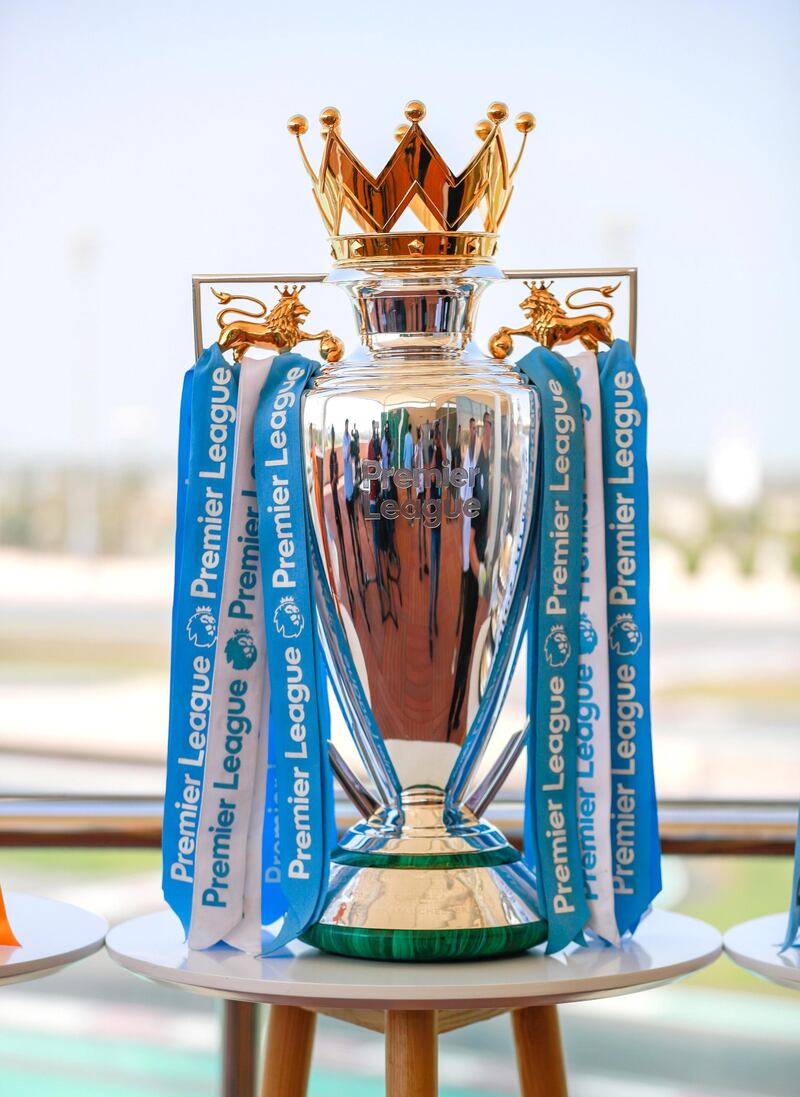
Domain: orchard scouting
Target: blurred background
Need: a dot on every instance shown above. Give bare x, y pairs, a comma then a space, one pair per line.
143, 143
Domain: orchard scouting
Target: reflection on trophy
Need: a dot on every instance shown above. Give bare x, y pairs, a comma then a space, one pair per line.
423, 526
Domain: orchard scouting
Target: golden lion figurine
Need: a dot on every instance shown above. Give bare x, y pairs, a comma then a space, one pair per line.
279, 329
549, 324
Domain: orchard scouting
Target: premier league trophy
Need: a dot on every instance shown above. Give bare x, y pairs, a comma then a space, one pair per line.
394, 524
421, 462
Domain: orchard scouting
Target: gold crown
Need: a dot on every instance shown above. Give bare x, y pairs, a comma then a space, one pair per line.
418, 178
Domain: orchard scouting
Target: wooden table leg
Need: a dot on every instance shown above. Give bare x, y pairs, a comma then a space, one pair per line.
411, 1053
540, 1060
238, 1049
287, 1061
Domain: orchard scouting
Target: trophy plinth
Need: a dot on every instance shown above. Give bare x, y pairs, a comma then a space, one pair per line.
424, 882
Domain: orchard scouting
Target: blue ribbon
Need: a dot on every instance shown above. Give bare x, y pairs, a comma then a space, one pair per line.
205, 468
636, 854
184, 435
551, 838
298, 691
794, 904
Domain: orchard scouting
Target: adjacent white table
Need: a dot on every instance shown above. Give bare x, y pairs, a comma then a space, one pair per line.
756, 944
52, 935
413, 1002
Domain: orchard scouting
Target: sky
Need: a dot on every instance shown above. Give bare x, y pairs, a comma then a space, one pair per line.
145, 142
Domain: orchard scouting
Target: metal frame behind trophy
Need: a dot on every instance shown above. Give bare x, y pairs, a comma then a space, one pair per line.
629, 274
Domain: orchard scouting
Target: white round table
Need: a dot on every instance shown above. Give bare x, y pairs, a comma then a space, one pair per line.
666, 947
413, 1002
52, 935
756, 944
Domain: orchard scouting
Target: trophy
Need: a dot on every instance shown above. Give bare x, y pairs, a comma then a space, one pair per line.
421, 461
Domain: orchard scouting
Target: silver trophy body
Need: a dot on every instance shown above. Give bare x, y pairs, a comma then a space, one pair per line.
421, 471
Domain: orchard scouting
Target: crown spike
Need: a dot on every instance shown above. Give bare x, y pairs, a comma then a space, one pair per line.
297, 126
525, 123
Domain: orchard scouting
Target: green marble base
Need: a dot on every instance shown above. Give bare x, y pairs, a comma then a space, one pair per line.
488, 858
425, 945
427, 882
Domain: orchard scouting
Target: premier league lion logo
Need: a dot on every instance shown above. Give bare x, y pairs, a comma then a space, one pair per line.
240, 650
588, 636
624, 635
201, 627
557, 647
288, 619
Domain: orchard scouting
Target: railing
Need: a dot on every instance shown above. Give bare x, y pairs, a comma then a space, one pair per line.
688, 827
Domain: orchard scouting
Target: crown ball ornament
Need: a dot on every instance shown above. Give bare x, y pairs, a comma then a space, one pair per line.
525, 122
329, 118
497, 113
416, 177
415, 111
297, 125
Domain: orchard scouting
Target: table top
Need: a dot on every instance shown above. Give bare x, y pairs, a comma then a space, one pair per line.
52, 935
755, 945
666, 947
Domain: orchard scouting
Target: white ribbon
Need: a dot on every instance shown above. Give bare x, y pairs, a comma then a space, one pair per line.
594, 726
229, 810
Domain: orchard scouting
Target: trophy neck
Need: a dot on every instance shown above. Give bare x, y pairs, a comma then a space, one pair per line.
425, 312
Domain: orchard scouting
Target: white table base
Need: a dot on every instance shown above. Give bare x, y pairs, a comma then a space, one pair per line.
666, 946
52, 935
756, 944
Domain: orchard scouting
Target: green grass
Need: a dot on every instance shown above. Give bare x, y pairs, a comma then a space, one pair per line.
79, 862
727, 890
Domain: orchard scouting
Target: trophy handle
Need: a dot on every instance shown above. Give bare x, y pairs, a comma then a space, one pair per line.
549, 324
361, 797
486, 791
